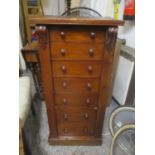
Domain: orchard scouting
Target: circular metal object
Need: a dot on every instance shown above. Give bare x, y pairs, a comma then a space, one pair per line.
116, 112
82, 11
119, 132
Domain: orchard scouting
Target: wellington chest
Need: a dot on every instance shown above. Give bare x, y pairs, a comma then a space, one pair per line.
76, 58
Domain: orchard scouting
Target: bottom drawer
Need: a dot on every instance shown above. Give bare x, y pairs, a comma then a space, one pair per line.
76, 129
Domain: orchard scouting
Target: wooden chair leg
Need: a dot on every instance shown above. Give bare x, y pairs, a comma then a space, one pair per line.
33, 109
27, 150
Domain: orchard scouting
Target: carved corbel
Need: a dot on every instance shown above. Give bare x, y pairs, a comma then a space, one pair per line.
42, 33
111, 36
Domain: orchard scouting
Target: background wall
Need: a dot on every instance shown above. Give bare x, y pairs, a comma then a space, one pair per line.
53, 7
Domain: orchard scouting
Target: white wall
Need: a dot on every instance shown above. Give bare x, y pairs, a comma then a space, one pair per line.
53, 7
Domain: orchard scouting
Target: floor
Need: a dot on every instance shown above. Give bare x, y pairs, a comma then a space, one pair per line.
36, 131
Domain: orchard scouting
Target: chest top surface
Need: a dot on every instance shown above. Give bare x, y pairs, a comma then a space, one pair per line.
59, 20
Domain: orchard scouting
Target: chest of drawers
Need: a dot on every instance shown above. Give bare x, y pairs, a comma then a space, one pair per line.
76, 56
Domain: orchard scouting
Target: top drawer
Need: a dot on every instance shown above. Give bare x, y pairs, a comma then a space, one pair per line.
77, 34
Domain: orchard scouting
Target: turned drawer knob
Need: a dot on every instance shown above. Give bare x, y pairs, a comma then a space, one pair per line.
88, 101
66, 130
86, 116
65, 101
63, 52
64, 84
93, 35
62, 34
85, 130
95, 108
63, 68
91, 52
65, 117
89, 86
90, 69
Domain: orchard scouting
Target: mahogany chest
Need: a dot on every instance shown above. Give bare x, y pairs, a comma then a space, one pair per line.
76, 57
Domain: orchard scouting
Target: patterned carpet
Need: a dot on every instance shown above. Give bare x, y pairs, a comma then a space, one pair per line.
36, 131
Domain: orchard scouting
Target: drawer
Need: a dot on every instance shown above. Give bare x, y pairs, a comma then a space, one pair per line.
76, 69
76, 85
77, 34
77, 51
78, 115
78, 100
76, 129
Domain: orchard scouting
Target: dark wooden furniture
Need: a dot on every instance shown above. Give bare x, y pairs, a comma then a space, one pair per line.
76, 57
31, 55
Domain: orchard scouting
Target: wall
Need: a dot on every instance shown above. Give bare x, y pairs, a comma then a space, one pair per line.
75, 3
53, 7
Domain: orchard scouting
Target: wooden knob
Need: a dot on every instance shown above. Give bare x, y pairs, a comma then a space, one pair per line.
65, 117
86, 116
64, 84
91, 52
63, 68
93, 35
95, 108
85, 130
62, 34
63, 52
88, 101
90, 69
66, 130
89, 86
65, 101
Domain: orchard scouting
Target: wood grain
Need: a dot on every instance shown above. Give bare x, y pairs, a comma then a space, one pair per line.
76, 129
77, 34
72, 76
76, 69
55, 20
46, 73
76, 100
72, 115
105, 88
77, 51
76, 85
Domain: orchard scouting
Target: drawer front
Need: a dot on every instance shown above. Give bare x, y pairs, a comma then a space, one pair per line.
77, 51
76, 85
78, 115
79, 100
76, 69
76, 129
77, 34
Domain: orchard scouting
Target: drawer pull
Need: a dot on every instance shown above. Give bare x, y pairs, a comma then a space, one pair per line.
66, 130
88, 102
63, 68
89, 86
63, 52
64, 84
62, 34
65, 101
85, 130
86, 116
65, 117
95, 108
91, 52
90, 69
93, 35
